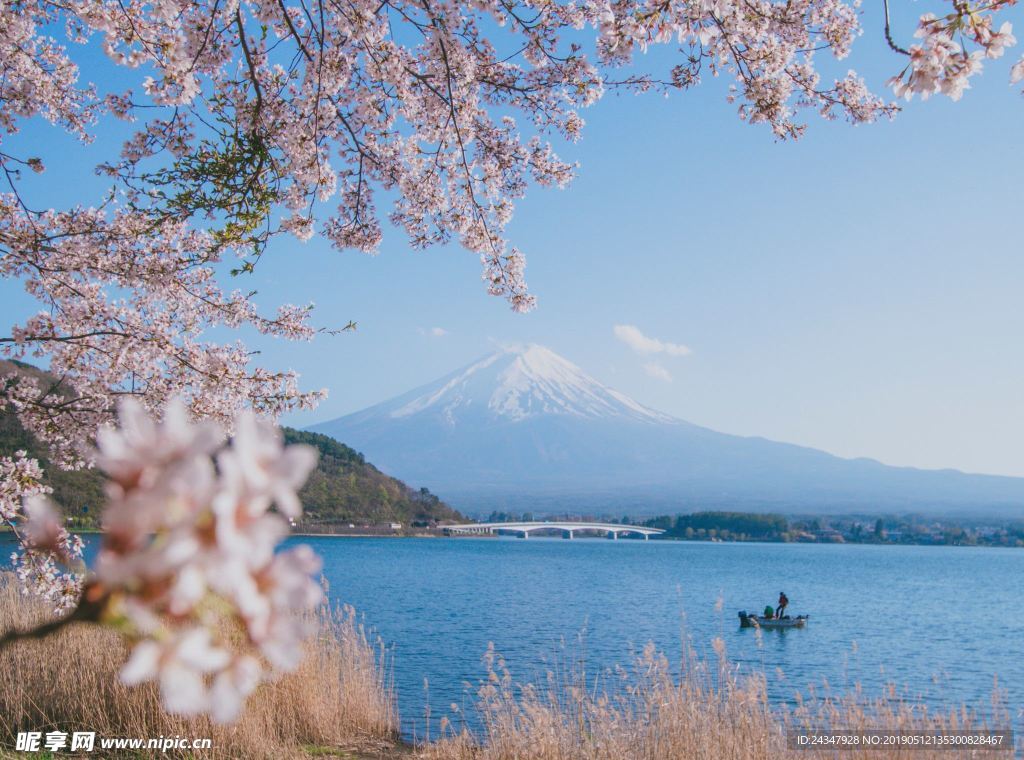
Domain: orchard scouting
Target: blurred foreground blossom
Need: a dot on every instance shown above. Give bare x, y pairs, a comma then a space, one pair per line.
188, 568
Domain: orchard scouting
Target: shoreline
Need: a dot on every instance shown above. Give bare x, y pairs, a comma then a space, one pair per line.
5, 530
672, 540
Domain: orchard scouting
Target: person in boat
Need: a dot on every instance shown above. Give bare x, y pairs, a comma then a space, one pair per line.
769, 613
783, 603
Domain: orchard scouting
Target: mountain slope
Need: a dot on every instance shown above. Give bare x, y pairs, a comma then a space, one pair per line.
343, 488
526, 429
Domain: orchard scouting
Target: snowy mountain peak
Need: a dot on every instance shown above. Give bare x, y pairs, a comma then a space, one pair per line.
519, 382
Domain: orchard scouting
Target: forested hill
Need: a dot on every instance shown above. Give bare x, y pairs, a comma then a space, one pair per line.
344, 488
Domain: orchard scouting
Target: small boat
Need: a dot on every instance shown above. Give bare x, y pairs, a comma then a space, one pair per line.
757, 621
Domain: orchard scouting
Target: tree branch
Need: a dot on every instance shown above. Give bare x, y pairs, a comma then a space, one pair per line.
888, 33
90, 606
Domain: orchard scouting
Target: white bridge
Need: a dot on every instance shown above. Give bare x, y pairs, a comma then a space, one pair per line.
568, 529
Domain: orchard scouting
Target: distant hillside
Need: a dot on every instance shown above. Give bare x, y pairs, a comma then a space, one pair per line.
344, 487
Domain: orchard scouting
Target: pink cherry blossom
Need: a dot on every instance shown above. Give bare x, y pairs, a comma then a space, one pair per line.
1017, 72
20, 479
231, 686
181, 663
942, 62
189, 556
262, 471
312, 111
48, 554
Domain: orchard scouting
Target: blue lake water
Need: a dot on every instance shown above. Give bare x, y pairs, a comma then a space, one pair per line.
940, 622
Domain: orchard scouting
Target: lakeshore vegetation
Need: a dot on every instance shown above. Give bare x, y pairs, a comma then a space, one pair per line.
873, 529
338, 697
757, 526
339, 703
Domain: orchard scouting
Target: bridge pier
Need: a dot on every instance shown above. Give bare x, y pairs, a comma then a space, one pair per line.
646, 536
567, 534
613, 535
524, 534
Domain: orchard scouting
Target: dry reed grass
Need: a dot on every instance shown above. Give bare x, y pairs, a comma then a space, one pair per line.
339, 695
705, 712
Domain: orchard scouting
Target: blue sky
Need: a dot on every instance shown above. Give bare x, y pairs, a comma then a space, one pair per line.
857, 291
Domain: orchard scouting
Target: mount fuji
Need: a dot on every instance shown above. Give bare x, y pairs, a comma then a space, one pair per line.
524, 429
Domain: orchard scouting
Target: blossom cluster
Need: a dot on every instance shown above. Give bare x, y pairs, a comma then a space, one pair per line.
21, 478
768, 48
189, 565
943, 62
46, 550
127, 302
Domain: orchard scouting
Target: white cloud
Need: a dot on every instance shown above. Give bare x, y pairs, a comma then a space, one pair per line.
655, 370
433, 332
644, 345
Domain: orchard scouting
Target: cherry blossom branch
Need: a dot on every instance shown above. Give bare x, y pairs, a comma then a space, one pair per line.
88, 610
38, 633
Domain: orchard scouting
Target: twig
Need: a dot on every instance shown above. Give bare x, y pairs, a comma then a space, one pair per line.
888, 32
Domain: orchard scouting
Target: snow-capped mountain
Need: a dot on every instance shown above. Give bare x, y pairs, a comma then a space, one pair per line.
517, 383
526, 429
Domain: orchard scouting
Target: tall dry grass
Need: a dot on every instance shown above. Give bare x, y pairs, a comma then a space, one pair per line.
339, 696
703, 712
